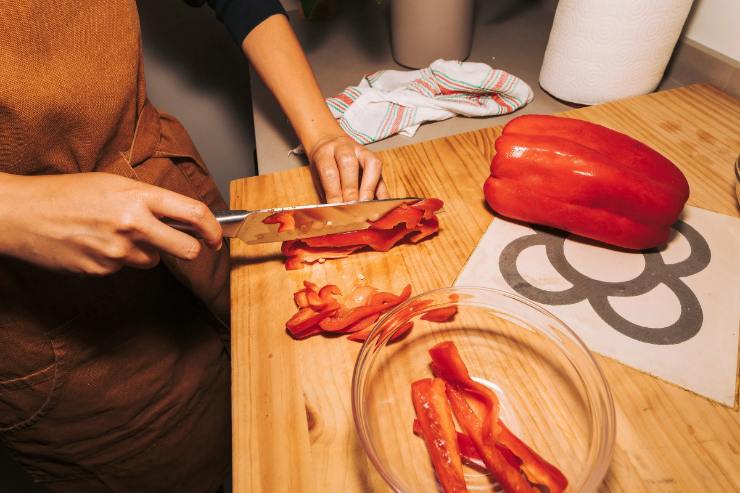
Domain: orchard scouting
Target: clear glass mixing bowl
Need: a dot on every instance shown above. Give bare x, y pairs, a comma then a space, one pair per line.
552, 392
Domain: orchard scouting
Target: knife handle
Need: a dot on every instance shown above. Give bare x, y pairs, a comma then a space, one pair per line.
230, 221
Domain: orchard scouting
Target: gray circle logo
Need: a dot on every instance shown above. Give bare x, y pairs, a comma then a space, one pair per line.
597, 292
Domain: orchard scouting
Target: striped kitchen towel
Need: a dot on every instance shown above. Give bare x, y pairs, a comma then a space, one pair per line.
393, 101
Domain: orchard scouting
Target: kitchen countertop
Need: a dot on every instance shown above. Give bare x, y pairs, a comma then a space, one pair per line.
292, 419
510, 35
344, 48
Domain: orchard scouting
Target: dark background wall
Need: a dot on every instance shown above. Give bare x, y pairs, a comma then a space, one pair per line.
196, 72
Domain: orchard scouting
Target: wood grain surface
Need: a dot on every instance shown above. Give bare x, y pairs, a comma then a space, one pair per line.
292, 419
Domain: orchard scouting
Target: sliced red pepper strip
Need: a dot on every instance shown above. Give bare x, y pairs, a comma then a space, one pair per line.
297, 253
413, 307
328, 293
362, 325
284, 219
537, 469
310, 286
438, 430
440, 315
341, 321
305, 323
359, 296
416, 221
314, 301
448, 364
380, 240
390, 298
427, 228
301, 298
402, 331
361, 335
468, 452
510, 478
320, 310
429, 206
410, 216
388, 301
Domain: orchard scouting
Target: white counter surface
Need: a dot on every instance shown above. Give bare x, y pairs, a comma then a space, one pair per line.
509, 35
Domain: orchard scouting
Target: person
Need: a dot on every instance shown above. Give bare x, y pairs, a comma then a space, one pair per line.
114, 364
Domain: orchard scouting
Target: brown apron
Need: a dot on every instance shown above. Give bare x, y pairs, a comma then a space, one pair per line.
118, 383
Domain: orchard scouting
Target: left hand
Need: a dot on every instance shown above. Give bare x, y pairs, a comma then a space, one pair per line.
347, 170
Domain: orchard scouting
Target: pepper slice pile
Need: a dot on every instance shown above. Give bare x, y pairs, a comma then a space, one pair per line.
485, 440
323, 311
415, 222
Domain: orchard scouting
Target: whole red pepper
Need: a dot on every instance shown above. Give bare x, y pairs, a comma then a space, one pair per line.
586, 179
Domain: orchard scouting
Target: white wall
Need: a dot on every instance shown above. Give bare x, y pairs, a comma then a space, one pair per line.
289, 5
716, 25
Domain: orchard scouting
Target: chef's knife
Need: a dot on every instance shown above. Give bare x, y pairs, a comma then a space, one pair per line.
310, 220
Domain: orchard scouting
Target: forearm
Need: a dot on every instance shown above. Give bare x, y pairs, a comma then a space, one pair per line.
276, 55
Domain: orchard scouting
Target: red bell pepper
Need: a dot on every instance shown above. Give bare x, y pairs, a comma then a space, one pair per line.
416, 221
537, 469
438, 430
586, 179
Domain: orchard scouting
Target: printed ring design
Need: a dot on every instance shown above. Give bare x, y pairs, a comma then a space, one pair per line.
655, 272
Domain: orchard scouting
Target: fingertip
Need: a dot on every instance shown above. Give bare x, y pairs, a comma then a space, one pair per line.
193, 250
382, 191
350, 196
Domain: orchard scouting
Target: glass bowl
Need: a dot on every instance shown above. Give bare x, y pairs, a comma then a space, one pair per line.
552, 392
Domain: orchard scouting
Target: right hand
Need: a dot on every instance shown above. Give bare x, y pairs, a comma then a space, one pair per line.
96, 223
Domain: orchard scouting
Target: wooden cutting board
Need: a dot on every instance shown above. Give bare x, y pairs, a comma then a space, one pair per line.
292, 418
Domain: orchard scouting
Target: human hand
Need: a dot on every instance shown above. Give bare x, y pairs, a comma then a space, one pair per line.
347, 170
96, 223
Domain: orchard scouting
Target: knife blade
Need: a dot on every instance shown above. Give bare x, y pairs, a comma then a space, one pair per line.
310, 220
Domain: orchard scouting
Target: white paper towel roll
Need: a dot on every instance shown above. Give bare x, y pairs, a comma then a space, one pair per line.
602, 50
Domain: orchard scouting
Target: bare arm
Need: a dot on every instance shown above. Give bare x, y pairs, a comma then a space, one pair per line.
347, 170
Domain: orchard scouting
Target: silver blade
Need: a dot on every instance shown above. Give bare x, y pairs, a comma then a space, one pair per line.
312, 220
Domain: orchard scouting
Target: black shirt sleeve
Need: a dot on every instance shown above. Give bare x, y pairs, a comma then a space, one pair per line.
241, 16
